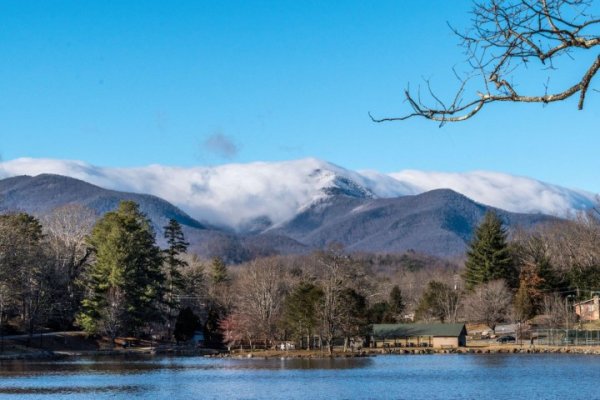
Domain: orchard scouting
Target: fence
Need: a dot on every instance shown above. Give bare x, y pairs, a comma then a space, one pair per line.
566, 337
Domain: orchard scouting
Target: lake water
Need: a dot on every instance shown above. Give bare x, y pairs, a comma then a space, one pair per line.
498, 376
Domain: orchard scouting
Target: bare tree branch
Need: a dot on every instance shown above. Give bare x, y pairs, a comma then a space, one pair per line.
507, 36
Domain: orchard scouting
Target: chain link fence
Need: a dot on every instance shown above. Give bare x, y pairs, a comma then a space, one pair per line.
566, 337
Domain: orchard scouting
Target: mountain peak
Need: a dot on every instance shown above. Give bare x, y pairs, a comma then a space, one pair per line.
260, 194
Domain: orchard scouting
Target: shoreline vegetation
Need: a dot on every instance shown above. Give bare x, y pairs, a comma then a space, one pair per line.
76, 345
127, 295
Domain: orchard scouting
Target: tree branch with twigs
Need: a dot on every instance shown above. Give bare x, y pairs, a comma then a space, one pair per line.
506, 37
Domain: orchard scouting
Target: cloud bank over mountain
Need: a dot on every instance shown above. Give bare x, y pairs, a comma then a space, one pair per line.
235, 195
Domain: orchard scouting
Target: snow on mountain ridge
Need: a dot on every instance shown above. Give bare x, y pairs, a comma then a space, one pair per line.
238, 195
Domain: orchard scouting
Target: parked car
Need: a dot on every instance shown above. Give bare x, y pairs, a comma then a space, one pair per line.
506, 339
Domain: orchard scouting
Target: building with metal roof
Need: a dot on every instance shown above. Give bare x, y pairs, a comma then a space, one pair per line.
419, 335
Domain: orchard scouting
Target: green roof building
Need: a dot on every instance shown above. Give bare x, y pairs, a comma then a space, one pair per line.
419, 335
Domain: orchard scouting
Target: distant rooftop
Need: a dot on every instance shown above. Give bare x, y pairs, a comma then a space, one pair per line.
413, 330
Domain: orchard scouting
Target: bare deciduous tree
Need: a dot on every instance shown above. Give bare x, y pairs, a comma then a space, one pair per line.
5, 301
508, 38
489, 303
261, 295
66, 228
557, 311
233, 333
25, 271
573, 248
338, 273
439, 301
113, 315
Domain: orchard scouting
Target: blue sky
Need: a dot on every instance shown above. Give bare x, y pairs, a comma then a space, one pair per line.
119, 83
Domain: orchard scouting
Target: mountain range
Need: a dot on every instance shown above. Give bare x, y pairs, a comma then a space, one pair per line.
293, 207
248, 197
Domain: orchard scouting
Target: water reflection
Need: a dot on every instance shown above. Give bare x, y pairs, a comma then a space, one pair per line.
306, 363
12, 368
385, 377
492, 360
144, 364
71, 390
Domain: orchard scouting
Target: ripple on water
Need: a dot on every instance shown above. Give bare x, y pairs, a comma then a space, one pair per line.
387, 377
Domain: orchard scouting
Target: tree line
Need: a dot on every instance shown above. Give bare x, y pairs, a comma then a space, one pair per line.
108, 276
516, 277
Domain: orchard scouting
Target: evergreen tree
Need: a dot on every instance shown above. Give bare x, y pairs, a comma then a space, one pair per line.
174, 282
396, 303
25, 272
353, 315
379, 313
300, 311
177, 247
124, 283
489, 257
219, 273
218, 304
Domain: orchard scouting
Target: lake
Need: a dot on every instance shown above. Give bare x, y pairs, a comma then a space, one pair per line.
495, 376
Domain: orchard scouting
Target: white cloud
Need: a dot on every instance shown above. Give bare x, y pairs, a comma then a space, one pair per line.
234, 194
509, 192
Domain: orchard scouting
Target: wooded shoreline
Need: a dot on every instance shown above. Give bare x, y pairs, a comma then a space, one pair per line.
128, 293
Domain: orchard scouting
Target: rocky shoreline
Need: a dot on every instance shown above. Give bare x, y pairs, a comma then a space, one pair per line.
506, 350
297, 354
428, 351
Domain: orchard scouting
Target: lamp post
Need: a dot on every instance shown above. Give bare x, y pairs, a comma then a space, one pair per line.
570, 296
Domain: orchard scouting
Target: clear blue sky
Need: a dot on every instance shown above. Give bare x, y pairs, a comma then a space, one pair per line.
131, 83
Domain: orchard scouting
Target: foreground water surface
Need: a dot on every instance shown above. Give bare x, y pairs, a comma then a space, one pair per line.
499, 376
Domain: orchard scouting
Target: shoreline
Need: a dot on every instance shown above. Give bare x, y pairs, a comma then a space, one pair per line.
303, 354
291, 354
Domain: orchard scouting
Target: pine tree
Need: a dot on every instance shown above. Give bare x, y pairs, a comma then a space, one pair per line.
396, 303
219, 300
219, 273
124, 283
489, 257
300, 311
173, 264
353, 319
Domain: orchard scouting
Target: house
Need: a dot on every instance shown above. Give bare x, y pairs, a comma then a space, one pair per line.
507, 329
479, 331
419, 335
588, 310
